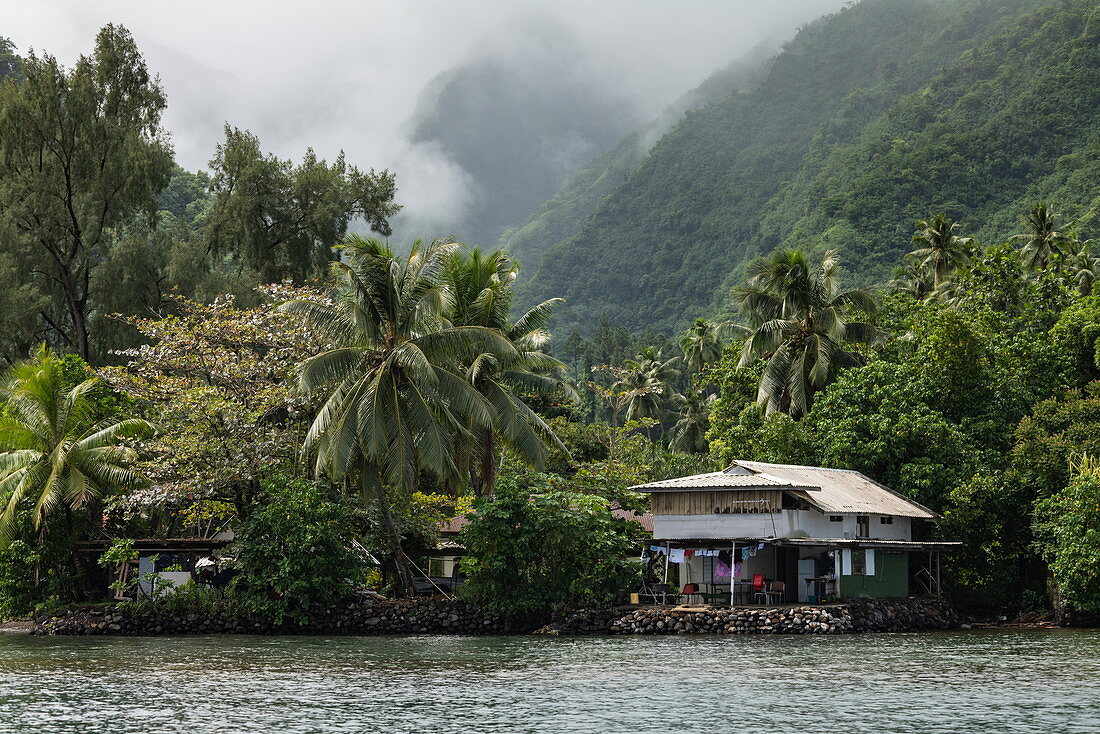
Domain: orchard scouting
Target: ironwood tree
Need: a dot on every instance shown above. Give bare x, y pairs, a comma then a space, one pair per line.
82, 153
283, 220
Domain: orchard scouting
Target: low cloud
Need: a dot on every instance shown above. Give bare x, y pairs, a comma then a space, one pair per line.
336, 75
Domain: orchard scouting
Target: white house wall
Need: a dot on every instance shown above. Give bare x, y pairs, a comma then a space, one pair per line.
785, 524
751, 525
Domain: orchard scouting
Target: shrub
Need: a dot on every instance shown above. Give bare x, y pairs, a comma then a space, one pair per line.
1067, 534
295, 551
530, 552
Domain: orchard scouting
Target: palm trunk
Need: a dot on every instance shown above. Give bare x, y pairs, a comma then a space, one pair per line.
404, 576
488, 466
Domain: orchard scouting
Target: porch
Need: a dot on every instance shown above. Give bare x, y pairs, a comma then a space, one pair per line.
776, 572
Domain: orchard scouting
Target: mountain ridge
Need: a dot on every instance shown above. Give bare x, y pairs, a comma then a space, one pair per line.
792, 160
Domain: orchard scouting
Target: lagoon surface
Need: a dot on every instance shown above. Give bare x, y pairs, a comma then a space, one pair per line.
964, 681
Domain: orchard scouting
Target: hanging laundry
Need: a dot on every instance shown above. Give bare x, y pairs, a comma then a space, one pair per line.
676, 555
760, 547
689, 554
737, 570
658, 549
721, 570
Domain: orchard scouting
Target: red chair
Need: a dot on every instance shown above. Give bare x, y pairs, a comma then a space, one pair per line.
689, 590
758, 586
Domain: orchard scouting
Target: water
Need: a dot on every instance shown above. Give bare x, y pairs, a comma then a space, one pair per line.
966, 681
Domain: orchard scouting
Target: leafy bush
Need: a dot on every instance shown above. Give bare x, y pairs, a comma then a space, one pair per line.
18, 593
295, 551
1067, 536
530, 553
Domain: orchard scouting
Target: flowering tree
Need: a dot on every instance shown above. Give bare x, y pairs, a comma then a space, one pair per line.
215, 379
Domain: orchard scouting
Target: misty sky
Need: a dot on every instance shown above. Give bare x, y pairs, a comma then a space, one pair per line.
347, 75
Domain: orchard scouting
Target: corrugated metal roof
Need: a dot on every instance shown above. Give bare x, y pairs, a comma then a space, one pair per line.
715, 480
838, 491
844, 490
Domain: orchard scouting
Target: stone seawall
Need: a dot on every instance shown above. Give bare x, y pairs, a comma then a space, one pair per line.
864, 615
378, 617
361, 618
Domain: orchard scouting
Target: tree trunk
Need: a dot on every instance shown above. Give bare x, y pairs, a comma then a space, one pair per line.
404, 576
77, 305
488, 466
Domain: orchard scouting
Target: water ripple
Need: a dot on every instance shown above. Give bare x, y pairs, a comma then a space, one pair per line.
974, 681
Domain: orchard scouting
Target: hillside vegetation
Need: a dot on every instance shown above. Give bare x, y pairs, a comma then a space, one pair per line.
868, 120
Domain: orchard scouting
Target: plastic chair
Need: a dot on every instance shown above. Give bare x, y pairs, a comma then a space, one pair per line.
689, 590
760, 589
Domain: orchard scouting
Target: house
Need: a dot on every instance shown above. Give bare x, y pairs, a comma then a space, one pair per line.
810, 534
160, 564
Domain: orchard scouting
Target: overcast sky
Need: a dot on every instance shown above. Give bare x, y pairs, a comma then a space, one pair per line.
335, 75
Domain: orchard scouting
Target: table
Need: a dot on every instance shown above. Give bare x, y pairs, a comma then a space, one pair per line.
822, 589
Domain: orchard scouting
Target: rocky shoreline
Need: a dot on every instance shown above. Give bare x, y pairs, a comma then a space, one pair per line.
412, 617
865, 615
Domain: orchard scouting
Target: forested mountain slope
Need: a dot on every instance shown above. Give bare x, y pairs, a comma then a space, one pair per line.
867, 119
563, 215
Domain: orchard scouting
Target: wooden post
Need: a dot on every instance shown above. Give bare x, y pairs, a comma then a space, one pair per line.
939, 589
838, 561
733, 564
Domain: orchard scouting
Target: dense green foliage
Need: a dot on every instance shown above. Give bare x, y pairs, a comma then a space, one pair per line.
1067, 530
394, 392
96, 219
282, 220
83, 153
868, 119
532, 550
974, 402
295, 552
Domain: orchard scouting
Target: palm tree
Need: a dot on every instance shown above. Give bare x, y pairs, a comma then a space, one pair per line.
643, 382
396, 398
55, 450
1083, 268
913, 280
942, 250
480, 288
1045, 241
800, 320
643, 392
702, 343
690, 432
651, 361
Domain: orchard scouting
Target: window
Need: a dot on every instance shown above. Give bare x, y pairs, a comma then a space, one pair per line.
886, 520
859, 562
863, 526
836, 518
437, 568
